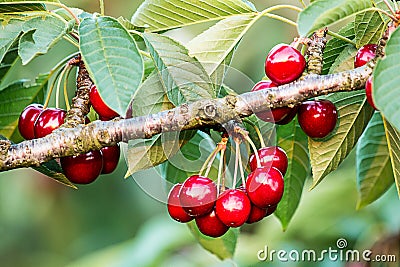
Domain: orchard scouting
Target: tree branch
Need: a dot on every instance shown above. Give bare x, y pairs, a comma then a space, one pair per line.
203, 113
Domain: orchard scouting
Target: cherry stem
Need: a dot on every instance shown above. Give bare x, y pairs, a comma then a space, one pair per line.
237, 152
211, 157
241, 168
61, 76
302, 3
50, 91
390, 7
66, 98
101, 7
220, 169
253, 146
340, 37
257, 131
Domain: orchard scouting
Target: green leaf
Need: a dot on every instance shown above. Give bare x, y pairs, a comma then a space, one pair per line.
324, 13
294, 141
393, 139
7, 63
369, 26
53, 170
386, 81
374, 170
39, 35
112, 59
8, 35
354, 114
335, 46
345, 60
150, 97
213, 46
223, 247
183, 77
143, 154
162, 15
14, 98
9, 7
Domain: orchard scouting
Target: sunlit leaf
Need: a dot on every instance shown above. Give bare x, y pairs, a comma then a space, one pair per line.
161, 15
323, 13
183, 77
213, 46
374, 169
294, 141
112, 59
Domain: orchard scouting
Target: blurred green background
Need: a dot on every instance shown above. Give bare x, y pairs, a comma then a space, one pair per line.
112, 222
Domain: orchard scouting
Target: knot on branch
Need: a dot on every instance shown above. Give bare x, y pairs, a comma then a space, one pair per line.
316, 46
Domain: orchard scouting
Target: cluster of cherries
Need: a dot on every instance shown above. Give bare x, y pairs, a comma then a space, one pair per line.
36, 121
365, 54
285, 64
197, 198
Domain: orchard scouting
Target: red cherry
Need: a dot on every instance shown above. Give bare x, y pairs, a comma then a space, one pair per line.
99, 106
274, 115
27, 120
256, 214
110, 158
289, 117
84, 168
264, 186
364, 54
273, 156
233, 207
317, 118
49, 120
271, 209
368, 92
175, 209
284, 64
211, 225
198, 195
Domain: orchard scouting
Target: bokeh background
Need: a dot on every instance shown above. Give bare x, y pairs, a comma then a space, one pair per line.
113, 222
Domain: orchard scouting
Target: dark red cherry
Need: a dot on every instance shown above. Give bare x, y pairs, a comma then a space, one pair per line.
284, 64
233, 207
289, 117
317, 118
99, 106
364, 54
110, 158
210, 225
274, 115
49, 120
27, 120
198, 195
264, 186
271, 209
368, 92
84, 168
256, 214
175, 209
272, 156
